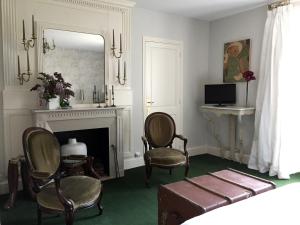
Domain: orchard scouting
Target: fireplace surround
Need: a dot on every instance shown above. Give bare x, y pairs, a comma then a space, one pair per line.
80, 123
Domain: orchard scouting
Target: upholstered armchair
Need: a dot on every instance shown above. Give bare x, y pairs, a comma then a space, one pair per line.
160, 132
55, 194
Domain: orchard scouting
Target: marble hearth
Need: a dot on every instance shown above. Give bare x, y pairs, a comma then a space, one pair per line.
85, 119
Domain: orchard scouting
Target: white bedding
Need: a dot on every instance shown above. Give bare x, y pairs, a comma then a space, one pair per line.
280, 206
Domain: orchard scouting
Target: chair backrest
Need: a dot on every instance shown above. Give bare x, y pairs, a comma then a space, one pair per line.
41, 150
160, 129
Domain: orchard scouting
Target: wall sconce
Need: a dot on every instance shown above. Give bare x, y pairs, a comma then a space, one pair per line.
30, 43
24, 77
46, 45
114, 47
119, 74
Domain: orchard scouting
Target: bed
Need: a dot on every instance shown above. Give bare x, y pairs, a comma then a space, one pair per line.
279, 206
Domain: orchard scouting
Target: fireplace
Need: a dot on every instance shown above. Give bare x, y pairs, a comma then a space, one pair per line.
100, 129
97, 142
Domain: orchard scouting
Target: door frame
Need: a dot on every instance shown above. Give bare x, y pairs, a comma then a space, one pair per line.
179, 44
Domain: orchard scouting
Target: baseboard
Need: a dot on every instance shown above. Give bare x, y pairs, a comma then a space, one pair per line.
4, 186
212, 150
133, 162
197, 150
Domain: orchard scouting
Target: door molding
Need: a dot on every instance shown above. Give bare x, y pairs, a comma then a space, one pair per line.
179, 44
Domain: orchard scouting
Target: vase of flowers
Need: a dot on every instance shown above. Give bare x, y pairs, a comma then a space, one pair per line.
53, 90
248, 76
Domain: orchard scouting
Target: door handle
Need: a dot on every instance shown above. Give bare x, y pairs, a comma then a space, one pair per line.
150, 102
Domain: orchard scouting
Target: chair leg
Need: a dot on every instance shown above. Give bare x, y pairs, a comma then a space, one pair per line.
186, 172
39, 214
170, 171
69, 217
148, 174
100, 208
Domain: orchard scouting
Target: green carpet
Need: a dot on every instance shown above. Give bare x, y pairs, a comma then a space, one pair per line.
126, 201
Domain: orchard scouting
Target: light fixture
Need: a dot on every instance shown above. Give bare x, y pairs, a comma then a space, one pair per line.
46, 46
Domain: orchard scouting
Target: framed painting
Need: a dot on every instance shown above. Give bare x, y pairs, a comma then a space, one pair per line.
236, 60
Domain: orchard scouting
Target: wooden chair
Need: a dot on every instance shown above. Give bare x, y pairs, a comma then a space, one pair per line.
55, 194
160, 132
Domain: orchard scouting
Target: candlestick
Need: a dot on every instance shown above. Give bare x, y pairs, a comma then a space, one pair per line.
112, 90
124, 70
28, 63
120, 43
33, 29
118, 67
19, 69
113, 39
24, 37
105, 90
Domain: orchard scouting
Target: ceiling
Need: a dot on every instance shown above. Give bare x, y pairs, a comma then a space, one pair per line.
201, 9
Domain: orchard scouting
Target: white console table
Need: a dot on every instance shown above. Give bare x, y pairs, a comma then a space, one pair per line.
235, 114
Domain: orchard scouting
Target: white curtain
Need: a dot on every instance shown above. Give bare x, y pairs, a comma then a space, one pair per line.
276, 144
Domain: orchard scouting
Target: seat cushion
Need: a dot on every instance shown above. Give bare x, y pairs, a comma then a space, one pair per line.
82, 190
165, 157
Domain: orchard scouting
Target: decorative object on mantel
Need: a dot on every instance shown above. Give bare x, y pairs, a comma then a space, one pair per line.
114, 46
53, 86
113, 96
106, 97
119, 74
46, 46
248, 76
30, 43
73, 148
236, 60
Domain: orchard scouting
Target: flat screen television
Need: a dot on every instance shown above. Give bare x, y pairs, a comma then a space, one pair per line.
220, 94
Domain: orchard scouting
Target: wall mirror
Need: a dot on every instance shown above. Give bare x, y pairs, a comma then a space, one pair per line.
80, 58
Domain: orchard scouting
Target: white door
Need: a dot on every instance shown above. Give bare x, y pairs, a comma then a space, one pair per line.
162, 66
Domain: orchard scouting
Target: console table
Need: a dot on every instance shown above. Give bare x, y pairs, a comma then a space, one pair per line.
235, 114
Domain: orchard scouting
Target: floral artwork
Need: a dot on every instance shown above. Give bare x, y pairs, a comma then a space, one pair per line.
236, 60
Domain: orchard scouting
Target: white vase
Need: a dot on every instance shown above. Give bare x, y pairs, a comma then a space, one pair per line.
53, 103
73, 148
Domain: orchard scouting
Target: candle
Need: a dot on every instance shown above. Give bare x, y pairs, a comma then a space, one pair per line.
24, 37
113, 39
33, 29
118, 67
28, 63
124, 70
120, 43
112, 90
19, 69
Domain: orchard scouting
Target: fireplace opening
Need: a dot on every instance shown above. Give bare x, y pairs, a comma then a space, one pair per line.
97, 143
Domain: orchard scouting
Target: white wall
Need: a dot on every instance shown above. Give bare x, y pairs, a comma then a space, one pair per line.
245, 25
195, 37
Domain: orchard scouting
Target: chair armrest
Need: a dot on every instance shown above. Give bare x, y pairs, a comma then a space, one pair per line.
144, 139
89, 169
66, 202
185, 140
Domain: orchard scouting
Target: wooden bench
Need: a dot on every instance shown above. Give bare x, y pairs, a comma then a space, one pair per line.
180, 201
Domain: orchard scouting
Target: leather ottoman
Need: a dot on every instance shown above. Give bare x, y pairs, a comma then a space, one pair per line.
180, 201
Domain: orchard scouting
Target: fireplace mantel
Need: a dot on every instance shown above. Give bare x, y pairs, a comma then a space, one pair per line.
43, 117
88, 118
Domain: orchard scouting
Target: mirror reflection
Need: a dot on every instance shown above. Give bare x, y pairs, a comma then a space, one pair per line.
80, 58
